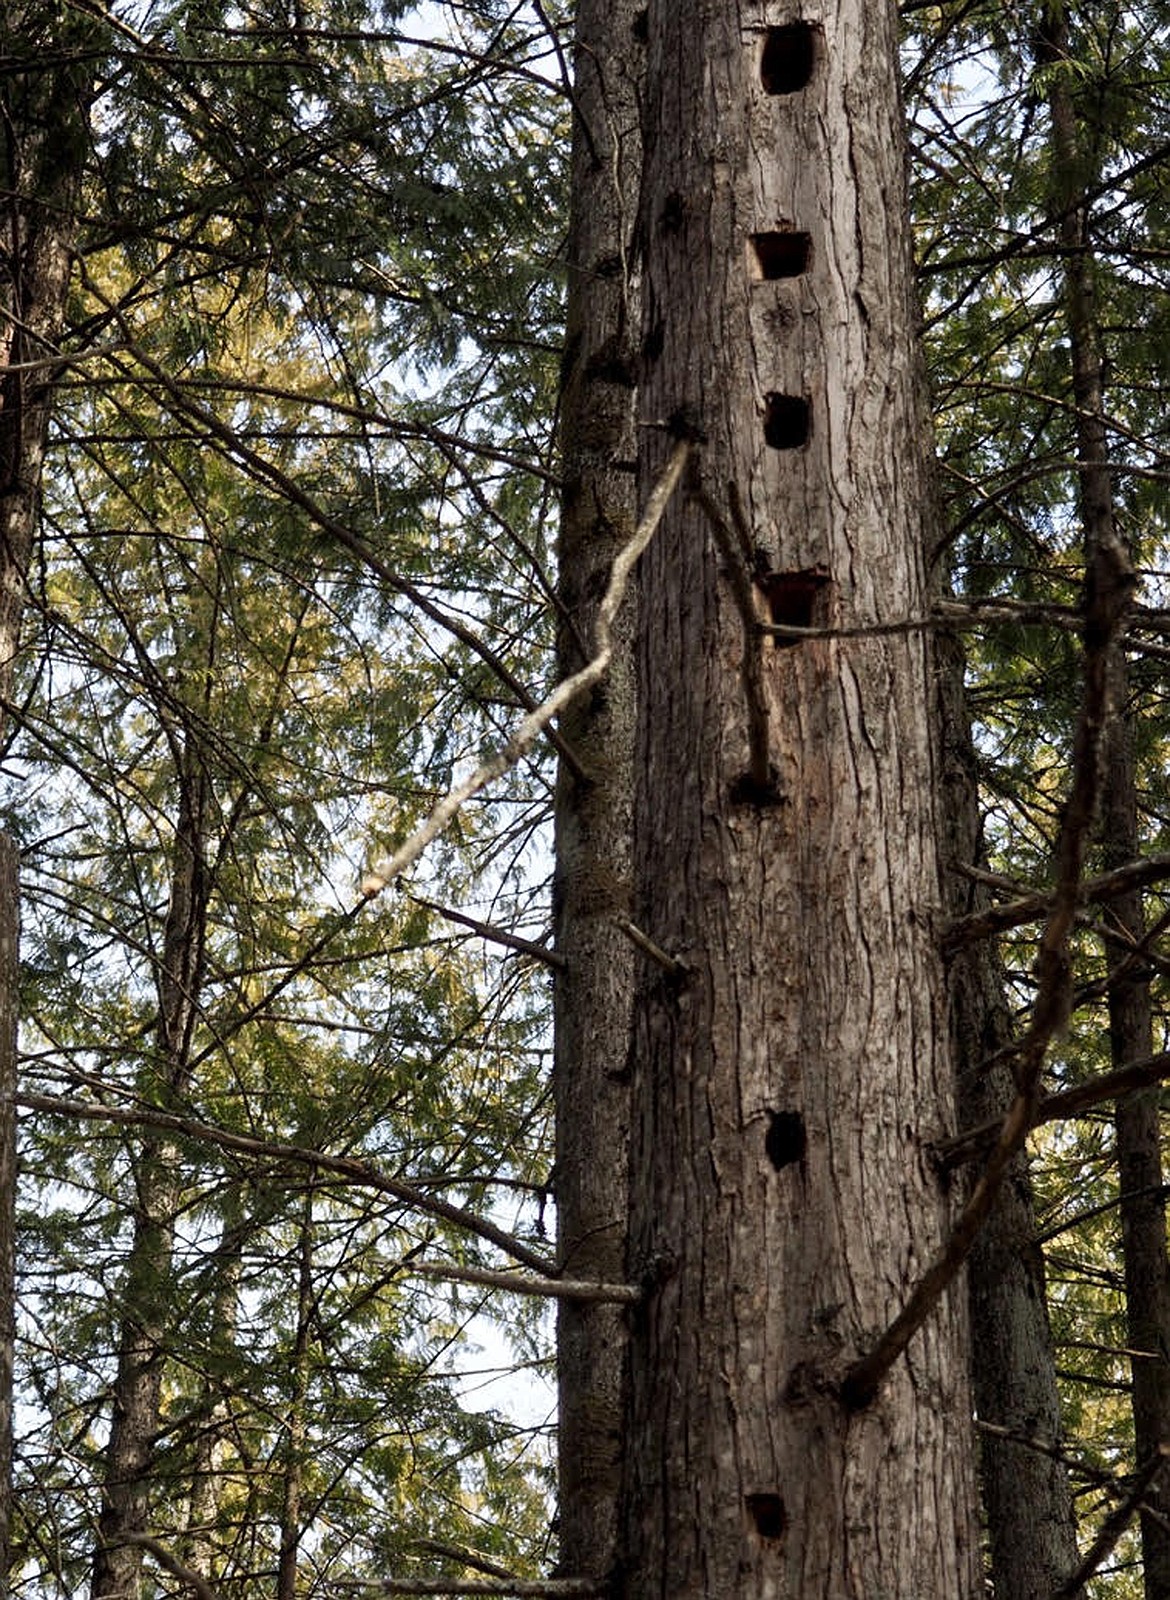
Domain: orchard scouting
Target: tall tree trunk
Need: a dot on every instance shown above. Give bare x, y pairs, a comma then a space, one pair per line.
594, 811
146, 1315
44, 115
1138, 1118
1027, 1501
790, 1069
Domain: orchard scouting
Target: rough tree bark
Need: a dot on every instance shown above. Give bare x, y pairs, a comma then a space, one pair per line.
44, 138
1138, 1117
594, 991
786, 1081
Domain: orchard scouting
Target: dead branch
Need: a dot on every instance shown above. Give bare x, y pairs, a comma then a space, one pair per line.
525, 1283
1031, 907
568, 690
1114, 1525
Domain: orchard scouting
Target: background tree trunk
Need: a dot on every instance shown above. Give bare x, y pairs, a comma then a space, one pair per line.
1031, 1529
782, 1201
45, 114
594, 813
1138, 1117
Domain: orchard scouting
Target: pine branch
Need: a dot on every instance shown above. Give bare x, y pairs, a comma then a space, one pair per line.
360, 1173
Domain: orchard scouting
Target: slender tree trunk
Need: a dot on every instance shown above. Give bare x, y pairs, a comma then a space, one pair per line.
206, 1479
44, 135
594, 811
146, 1315
788, 1073
296, 1422
9, 1017
1031, 1528
1138, 1118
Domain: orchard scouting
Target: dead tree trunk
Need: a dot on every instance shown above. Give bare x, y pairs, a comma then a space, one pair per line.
792, 1060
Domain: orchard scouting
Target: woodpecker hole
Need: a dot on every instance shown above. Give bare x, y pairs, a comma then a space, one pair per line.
785, 1140
779, 254
797, 600
768, 1514
789, 56
787, 421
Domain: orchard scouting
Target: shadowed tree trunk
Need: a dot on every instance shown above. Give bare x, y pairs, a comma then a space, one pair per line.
1031, 1529
1138, 1117
594, 990
792, 1061
44, 139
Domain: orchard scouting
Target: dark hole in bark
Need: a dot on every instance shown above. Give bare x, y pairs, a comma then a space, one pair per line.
787, 419
672, 212
797, 600
768, 1513
781, 253
748, 790
789, 54
785, 1139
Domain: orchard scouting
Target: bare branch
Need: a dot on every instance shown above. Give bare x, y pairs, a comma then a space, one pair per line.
522, 1283
752, 666
972, 1142
646, 945
488, 930
1114, 1525
1031, 907
170, 1563
519, 1588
